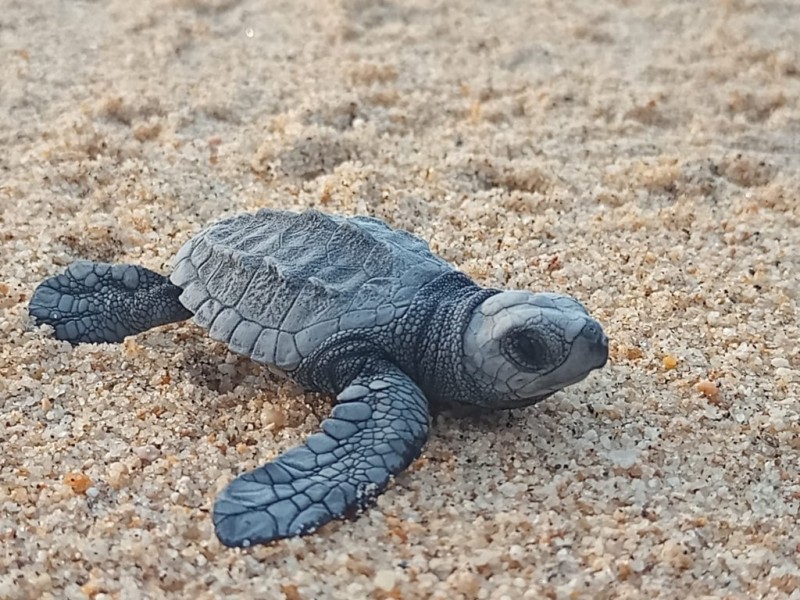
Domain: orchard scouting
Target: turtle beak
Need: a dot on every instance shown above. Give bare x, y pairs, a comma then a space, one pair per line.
597, 343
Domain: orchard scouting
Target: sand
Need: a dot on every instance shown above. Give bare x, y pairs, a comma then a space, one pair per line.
642, 156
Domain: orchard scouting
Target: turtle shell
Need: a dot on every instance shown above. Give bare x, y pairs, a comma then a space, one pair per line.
274, 285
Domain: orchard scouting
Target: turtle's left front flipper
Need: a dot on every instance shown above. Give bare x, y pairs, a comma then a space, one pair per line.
377, 428
99, 302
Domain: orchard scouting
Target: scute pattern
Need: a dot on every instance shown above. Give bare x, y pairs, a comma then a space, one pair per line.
274, 285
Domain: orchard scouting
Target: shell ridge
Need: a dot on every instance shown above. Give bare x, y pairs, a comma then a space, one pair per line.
289, 308
347, 230
201, 242
318, 283
245, 289
210, 276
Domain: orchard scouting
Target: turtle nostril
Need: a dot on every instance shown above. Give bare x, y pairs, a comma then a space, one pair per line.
598, 340
593, 332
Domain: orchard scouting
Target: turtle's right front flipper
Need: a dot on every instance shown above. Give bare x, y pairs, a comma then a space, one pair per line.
99, 302
378, 427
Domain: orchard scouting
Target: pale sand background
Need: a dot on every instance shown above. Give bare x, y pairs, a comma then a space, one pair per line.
642, 157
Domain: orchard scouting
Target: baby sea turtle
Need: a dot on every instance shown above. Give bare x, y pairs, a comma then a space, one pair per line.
345, 306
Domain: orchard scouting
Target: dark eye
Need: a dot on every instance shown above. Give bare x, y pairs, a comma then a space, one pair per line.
529, 351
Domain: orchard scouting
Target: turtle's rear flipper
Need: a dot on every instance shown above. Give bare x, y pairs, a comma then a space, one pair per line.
376, 430
98, 302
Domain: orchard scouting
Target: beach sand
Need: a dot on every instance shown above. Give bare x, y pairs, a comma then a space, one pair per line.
642, 156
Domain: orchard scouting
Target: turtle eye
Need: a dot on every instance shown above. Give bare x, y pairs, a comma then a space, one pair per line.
529, 351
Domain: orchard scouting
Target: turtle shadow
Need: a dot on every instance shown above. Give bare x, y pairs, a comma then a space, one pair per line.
545, 427
233, 379
211, 365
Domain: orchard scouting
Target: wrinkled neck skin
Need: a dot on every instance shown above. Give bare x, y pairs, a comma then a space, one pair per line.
426, 343
433, 356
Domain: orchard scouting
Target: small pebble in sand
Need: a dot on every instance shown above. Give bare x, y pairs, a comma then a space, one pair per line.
676, 554
78, 482
780, 363
708, 389
634, 353
147, 453
273, 418
669, 362
624, 458
118, 475
385, 579
290, 592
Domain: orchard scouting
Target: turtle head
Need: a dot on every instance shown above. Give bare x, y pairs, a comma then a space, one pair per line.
521, 347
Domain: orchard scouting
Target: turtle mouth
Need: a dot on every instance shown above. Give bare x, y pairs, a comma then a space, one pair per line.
512, 403
543, 394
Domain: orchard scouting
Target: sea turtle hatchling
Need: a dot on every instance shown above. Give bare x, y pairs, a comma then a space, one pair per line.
345, 306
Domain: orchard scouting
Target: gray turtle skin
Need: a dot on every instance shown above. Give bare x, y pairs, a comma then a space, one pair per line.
346, 306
